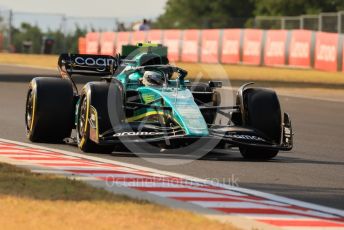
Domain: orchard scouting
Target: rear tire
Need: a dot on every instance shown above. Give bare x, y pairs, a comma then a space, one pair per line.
49, 110
262, 113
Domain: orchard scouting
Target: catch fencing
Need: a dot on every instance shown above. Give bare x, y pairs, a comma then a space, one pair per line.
275, 48
325, 22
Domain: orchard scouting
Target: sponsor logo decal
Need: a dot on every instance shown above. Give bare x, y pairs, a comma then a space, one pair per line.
252, 48
299, 50
275, 49
190, 47
247, 137
231, 47
90, 61
148, 98
210, 48
126, 134
172, 45
326, 53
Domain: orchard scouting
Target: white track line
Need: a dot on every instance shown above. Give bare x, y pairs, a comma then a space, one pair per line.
276, 198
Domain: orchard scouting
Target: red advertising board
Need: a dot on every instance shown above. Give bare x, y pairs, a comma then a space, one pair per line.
326, 51
300, 48
275, 47
154, 36
231, 46
252, 46
92, 43
122, 39
107, 43
172, 41
210, 46
138, 37
82, 45
190, 46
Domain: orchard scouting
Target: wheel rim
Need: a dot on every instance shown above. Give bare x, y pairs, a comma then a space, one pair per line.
82, 117
29, 110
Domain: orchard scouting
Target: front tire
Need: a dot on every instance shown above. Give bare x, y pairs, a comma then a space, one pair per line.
262, 112
95, 95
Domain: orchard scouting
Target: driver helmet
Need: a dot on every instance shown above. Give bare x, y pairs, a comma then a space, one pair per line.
153, 78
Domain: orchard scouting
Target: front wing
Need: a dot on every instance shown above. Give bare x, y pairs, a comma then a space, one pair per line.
174, 136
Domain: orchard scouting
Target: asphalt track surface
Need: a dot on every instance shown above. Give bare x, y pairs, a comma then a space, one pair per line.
313, 171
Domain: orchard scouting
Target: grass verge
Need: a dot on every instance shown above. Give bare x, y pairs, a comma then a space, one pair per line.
40, 201
212, 71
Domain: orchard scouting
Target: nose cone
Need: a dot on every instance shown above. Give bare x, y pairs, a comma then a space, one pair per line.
192, 120
186, 112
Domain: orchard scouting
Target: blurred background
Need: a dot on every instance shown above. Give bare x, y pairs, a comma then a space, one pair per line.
27, 26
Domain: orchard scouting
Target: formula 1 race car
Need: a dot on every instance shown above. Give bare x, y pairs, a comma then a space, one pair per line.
142, 100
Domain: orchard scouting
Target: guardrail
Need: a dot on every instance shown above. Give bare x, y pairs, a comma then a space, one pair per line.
278, 48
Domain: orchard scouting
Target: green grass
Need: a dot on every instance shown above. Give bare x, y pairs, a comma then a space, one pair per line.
41, 201
22, 183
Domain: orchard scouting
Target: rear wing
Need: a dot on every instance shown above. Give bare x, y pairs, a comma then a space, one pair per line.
84, 64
